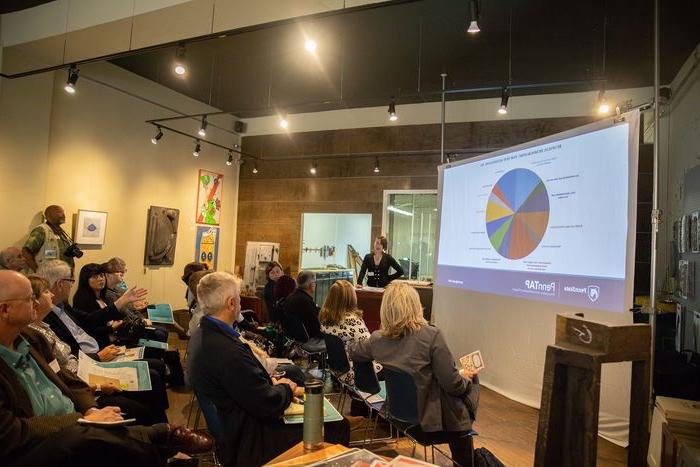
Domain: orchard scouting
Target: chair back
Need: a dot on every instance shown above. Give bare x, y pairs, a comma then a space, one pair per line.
210, 415
365, 377
337, 358
402, 396
294, 328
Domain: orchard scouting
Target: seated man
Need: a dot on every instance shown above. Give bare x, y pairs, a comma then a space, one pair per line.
301, 304
224, 370
40, 407
11, 258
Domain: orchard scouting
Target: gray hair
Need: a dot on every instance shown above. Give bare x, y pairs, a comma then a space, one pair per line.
305, 278
214, 289
4, 254
53, 271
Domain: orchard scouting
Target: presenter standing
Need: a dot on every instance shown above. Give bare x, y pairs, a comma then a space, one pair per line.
376, 265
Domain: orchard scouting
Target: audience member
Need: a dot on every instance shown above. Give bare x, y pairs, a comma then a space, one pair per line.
190, 268
273, 271
447, 397
48, 241
39, 407
11, 258
340, 317
300, 304
249, 402
282, 289
197, 314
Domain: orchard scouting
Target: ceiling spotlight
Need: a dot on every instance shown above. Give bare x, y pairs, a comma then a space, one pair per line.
376, 165
203, 129
284, 123
474, 16
229, 161
392, 111
312, 170
72, 79
255, 168
603, 106
310, 45
197, 149
505, 94
157, 137
180, 64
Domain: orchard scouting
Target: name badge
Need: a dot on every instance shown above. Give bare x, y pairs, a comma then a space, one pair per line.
55, 366
370, 274
50, 253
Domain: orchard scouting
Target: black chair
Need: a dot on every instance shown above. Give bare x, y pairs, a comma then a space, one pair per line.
402, 403
208, 409
367, 386
338, 364
314, 348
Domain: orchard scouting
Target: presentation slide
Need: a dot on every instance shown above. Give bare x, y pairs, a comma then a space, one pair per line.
549, 222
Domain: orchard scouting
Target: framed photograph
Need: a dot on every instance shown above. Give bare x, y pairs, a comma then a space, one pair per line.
209, 187
90, 228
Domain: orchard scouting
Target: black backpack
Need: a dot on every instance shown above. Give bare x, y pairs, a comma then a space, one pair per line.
485, 458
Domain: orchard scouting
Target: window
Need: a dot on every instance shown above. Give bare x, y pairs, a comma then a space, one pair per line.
409, 222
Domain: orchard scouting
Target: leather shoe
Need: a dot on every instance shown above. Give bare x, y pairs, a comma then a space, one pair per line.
183, 439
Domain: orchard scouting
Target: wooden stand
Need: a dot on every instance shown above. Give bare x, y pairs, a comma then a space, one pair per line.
567, 434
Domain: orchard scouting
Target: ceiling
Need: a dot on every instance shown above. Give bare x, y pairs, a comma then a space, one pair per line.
366, 56
8, 6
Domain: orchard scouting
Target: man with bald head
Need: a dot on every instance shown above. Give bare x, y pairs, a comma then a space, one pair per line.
40, 404
11, 258
48, 241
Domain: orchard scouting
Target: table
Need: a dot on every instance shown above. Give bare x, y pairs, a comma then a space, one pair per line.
297, 456
370, 302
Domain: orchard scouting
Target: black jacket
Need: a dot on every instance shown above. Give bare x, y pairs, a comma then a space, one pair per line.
94, 319
302, 305
63, 332
248, 405
379, 275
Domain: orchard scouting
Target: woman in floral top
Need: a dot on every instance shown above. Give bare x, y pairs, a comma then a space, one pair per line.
340, 317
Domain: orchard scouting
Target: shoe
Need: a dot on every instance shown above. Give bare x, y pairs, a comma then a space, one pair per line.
183, 439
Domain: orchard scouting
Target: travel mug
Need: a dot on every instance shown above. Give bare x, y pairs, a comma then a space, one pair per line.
313, 415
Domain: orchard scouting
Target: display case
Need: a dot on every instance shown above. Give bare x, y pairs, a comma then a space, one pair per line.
325, 278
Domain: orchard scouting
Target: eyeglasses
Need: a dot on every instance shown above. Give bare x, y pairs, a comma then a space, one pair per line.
71, 280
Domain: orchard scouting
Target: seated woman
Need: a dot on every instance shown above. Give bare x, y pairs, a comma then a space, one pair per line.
340, 317
447, 397
191, 268
283, 288
99, 318
273, 271
139, 405
193, 281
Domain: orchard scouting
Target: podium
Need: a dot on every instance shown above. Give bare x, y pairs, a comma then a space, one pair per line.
567, 432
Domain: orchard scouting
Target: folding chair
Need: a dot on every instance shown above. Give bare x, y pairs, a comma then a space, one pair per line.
208, 409
295, 330
339, 365
366, 382
402, 403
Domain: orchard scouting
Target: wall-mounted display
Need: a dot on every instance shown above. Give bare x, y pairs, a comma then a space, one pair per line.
161, 236
207, 246
683, 239
210, 185
694, 225
686, 278
90, 228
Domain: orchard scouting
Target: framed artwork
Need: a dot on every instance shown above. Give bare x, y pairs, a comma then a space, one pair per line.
161, 236
694, 237
207, 246
90, 228
209, 187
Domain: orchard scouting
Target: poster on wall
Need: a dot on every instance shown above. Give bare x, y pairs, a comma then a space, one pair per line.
694, 226
209, 187
207, 246
90, 228
161, 236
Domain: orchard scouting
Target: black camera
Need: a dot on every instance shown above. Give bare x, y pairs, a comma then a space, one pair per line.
73, 251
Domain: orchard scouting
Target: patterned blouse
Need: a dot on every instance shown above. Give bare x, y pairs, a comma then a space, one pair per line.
61, 350
351, 330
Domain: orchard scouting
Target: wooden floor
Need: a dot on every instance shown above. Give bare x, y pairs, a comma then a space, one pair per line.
507, 428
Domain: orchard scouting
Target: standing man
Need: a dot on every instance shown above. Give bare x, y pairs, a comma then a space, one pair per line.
49, 241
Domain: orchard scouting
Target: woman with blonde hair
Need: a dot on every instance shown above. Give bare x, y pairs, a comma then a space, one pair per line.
447, 397
340, 317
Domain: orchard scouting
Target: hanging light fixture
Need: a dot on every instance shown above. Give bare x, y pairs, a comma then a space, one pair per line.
392, 110
505, 94
229, 161
312, 170
474, 17
603, 105
72, 79
203, 129
197, 149
180, 67
376, 165
157, 136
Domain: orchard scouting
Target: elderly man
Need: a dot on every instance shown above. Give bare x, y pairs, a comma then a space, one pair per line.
48, 240
301, 304
40, 406
11, 258
249, 402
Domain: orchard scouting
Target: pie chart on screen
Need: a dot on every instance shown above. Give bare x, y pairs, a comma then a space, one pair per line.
517, 213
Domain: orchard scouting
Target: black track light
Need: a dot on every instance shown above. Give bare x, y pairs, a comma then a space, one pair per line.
505, 94
72, 79
312, 170
376, 165
474, 17
255, 168
392, 111
197, 149
203, 129
157, 137
180, 67
229, 161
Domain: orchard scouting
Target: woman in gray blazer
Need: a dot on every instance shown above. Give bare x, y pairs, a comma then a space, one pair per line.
447, 397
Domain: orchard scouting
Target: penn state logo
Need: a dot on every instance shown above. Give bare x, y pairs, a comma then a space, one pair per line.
593, 292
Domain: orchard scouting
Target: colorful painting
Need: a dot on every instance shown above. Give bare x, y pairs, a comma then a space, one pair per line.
207, 247
210, 185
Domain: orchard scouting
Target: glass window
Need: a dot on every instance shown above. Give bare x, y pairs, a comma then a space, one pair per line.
409, 223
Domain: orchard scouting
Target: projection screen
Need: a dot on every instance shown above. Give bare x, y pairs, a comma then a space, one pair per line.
527, 232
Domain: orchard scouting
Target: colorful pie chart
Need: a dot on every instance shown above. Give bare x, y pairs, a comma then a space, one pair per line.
517, 213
